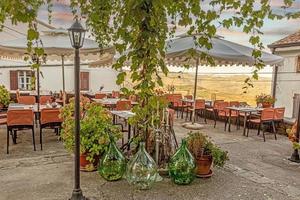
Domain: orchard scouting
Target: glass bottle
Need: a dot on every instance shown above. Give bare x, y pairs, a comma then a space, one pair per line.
141, 169
113, 164
182, 166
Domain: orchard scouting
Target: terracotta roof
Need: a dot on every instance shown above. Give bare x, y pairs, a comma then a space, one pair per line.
291, 40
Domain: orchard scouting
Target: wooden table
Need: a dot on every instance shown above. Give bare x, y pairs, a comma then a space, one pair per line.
34, 107
246, 110
111, 102
125, 114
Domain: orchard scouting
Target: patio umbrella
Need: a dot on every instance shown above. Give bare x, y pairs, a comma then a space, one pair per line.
223, 51
57, 46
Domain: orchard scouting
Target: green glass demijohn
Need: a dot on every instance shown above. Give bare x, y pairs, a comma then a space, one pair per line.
113, 164
182, 166
141, 169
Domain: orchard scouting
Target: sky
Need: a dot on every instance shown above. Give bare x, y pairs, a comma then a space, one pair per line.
273, 30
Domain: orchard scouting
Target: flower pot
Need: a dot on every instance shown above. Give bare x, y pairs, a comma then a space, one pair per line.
87, 166
266, 105
203, 164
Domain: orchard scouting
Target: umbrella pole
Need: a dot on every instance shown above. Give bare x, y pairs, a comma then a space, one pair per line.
63, 76
195, 91
38, 88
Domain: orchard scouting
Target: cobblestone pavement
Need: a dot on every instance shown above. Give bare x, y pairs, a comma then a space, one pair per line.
256, 170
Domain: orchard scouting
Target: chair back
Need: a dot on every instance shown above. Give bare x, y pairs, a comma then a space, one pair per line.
222, 110
279, 113
28, 100
45, 99
115, 94
50, 115
217, 103
200, 104
267, 114
123, 105
188, 97
100, 96
234, 103
20, 117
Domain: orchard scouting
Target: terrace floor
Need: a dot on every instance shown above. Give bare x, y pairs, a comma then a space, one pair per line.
256, 170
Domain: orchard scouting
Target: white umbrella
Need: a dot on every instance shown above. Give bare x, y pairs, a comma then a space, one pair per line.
57, 45
223, 51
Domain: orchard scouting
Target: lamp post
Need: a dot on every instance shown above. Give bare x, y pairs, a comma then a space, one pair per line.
76, 34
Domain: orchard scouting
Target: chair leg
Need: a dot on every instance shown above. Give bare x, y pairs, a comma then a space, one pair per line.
264, 135
41, 138
205, 113
215, 119
259, 127
226, 120
248, 128
274, 130
7, 138
33, 139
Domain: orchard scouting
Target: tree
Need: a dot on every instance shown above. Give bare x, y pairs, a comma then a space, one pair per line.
139, 28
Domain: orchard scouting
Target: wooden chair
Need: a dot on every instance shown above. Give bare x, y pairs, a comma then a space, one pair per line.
266, 117
115, 94
49, 119
199, 109
100, 96
123, 105
19, 120
214, 110
45, 99
28, 100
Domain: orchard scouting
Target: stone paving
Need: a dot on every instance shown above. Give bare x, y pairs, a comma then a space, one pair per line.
256, 170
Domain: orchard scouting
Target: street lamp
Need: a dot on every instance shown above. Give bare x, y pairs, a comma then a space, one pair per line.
76, 34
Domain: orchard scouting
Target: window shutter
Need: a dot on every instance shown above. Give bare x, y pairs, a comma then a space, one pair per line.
84, 81
13, 80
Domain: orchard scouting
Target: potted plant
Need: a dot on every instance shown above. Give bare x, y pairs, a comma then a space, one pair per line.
265, 100
4, 97
95, 129
292, 136
205, 153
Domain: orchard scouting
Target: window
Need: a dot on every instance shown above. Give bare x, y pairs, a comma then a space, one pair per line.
24, 80
298, 64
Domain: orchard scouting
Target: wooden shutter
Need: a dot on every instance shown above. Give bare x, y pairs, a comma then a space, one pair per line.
84, 81
13, 80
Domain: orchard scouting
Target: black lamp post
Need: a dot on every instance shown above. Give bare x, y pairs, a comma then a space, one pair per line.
76, 33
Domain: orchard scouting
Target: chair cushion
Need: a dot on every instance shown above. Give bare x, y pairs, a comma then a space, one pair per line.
255, 121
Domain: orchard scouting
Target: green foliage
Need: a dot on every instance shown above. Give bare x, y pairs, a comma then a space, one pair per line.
4, 96
199, 144
263, 98
95, 128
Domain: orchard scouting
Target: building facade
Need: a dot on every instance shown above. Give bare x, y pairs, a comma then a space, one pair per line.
16, 75
286, 79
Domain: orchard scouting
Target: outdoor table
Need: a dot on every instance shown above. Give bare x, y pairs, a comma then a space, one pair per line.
247, 110
110, 102
34, 107
125, 114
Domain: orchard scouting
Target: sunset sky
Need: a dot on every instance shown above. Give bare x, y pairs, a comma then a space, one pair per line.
273, 30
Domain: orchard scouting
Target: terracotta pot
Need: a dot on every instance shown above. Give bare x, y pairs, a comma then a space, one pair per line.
86, 165
266, 105
203, 164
